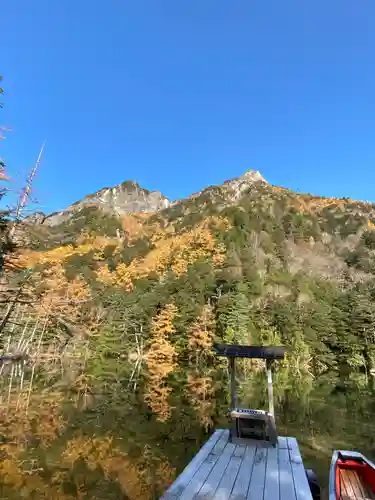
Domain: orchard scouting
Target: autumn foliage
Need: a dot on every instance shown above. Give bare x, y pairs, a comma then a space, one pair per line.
201, 334
201, 390
171, 252
161, 361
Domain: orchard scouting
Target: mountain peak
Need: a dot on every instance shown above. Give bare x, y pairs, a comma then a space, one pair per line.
252, 176
127, 197
238, 186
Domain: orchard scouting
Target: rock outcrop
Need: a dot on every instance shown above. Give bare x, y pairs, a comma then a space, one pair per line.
128, 197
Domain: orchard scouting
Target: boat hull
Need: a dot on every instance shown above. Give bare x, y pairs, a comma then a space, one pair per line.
352, 477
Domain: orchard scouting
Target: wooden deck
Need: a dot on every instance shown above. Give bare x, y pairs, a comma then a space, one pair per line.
222, 470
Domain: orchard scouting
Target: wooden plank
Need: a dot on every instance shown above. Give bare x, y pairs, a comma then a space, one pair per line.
301, 484
256, 488
187, 474
241, 485
211, 484
271, 484
240, 450
204, 470
282, 442
229, 477
249, 351
287, 491
345, 492
356, 484
345, 479
232, 364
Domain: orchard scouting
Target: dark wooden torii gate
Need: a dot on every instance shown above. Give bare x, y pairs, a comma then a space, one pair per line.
270, 354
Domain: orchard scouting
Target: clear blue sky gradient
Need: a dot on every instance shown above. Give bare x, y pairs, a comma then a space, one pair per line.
180, 94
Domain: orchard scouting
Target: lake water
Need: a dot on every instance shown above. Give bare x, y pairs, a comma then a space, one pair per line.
64, 442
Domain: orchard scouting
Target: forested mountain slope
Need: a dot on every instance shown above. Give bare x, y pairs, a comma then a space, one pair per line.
264, 260
131, 303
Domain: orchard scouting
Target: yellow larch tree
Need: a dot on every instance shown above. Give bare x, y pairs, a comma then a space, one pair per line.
200, 386
200, 390
201, 334
160, 360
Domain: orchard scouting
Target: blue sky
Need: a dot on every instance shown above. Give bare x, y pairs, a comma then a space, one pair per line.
180, 94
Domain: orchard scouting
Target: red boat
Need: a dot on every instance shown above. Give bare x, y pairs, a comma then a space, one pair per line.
352, 477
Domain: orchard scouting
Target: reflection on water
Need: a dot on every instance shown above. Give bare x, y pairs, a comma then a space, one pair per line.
337, 414
323, 413
60, 439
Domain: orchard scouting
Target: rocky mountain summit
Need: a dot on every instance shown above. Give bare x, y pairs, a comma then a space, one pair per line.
130, 197
237, 186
